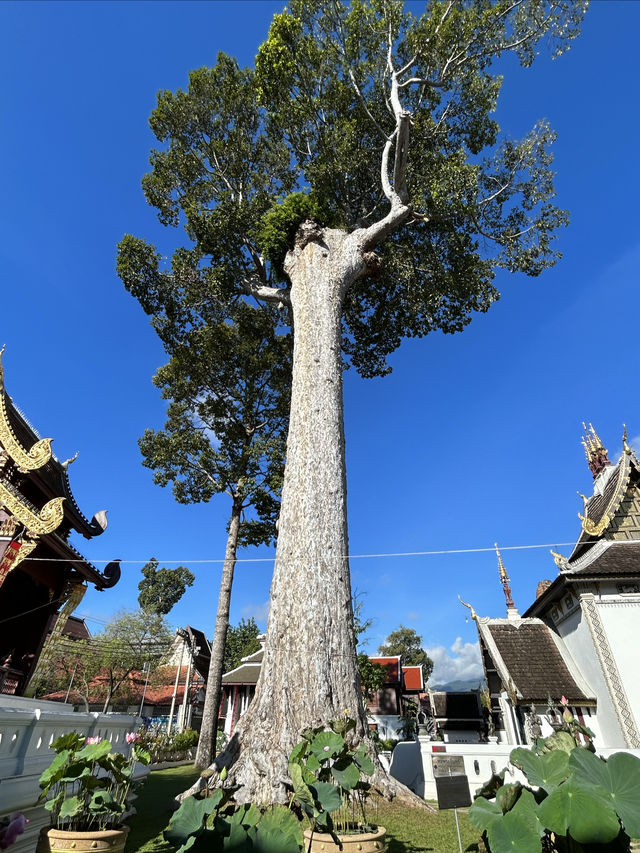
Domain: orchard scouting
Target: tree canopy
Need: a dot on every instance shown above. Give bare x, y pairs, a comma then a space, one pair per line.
99, 669
242, 640
408, 643
357, 182
161, 589
363, 106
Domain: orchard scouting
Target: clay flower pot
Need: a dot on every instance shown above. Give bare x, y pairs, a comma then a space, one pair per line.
73, 841
358, 842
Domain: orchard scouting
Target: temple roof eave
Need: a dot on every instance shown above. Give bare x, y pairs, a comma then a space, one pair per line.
51, 477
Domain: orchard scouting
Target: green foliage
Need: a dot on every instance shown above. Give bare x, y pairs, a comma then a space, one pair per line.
161, 589
185, 740
99, 669
279, 224
327, 777
242, 640
212, 823
407, 643
314, 114
163, 747
576, 799
372, 676
86, 785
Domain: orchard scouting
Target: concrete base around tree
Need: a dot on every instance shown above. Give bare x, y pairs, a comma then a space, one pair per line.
27, 729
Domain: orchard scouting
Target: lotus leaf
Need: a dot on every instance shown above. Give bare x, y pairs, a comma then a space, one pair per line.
582, 811
511, 834
619, 776
548, 770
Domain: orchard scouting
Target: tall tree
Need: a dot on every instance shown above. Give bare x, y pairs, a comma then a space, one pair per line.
162, 589
242, 640
408, 643
406, 202
99, 669
228, 383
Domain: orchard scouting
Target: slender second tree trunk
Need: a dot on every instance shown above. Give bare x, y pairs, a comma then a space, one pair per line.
209, 731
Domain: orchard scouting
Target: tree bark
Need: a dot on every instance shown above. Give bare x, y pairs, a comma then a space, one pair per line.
209, 731
309, 672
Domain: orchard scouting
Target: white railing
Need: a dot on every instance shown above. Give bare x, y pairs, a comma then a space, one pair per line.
28, 727
411, 763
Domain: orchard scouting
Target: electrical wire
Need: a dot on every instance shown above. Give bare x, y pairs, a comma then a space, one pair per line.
383, 555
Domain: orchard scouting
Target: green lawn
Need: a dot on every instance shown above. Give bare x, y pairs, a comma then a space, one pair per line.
408, 830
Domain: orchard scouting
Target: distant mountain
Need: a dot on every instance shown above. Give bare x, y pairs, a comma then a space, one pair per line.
461, 684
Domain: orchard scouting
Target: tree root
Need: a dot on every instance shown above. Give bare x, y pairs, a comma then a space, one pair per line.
253, 778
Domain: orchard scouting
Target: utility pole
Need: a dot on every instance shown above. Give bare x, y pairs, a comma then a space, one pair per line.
145, 668
182, 634
185, 698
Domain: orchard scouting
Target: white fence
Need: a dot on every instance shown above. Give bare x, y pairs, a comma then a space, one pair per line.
28, 727
411, 763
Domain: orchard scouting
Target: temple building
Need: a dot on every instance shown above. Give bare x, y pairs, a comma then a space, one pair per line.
42, 576
579, 638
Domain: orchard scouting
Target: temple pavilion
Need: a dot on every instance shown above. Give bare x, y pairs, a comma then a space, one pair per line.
42, 576
579, 638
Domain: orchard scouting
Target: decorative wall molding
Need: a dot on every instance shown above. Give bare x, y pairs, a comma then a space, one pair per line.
610, 671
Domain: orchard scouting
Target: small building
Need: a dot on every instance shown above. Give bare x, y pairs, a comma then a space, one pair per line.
457, 715
384, 710
578, 639
42, 576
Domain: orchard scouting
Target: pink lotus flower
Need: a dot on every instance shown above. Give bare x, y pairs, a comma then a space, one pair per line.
564, 700
10, 832
133, 737
92, 740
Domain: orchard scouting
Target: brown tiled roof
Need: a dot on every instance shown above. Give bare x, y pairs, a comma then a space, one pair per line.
616, 558
533, 661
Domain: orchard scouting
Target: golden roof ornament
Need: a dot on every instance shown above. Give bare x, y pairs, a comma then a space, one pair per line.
26, 460
474, 615
597, 457
625, 446
504, 580
559, 559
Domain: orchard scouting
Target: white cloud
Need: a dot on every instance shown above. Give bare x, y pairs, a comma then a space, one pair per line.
413, 617
460, 661
260, 612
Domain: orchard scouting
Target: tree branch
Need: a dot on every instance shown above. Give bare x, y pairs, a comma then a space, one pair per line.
265, 294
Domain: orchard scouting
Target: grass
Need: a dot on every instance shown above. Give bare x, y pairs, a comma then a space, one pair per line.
154, 808
408, 830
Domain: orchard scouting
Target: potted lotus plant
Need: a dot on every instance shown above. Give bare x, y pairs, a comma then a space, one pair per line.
329, 784
85, 788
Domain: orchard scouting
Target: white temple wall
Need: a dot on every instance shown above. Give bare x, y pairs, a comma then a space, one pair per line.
620, 620
577, 637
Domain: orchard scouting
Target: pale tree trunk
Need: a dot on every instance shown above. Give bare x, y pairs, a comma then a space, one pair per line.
208, 733
309, 673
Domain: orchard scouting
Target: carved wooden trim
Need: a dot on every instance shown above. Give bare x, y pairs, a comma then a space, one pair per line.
36, 523
26, 460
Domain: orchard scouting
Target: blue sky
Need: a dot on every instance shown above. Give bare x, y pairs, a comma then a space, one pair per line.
473, 438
